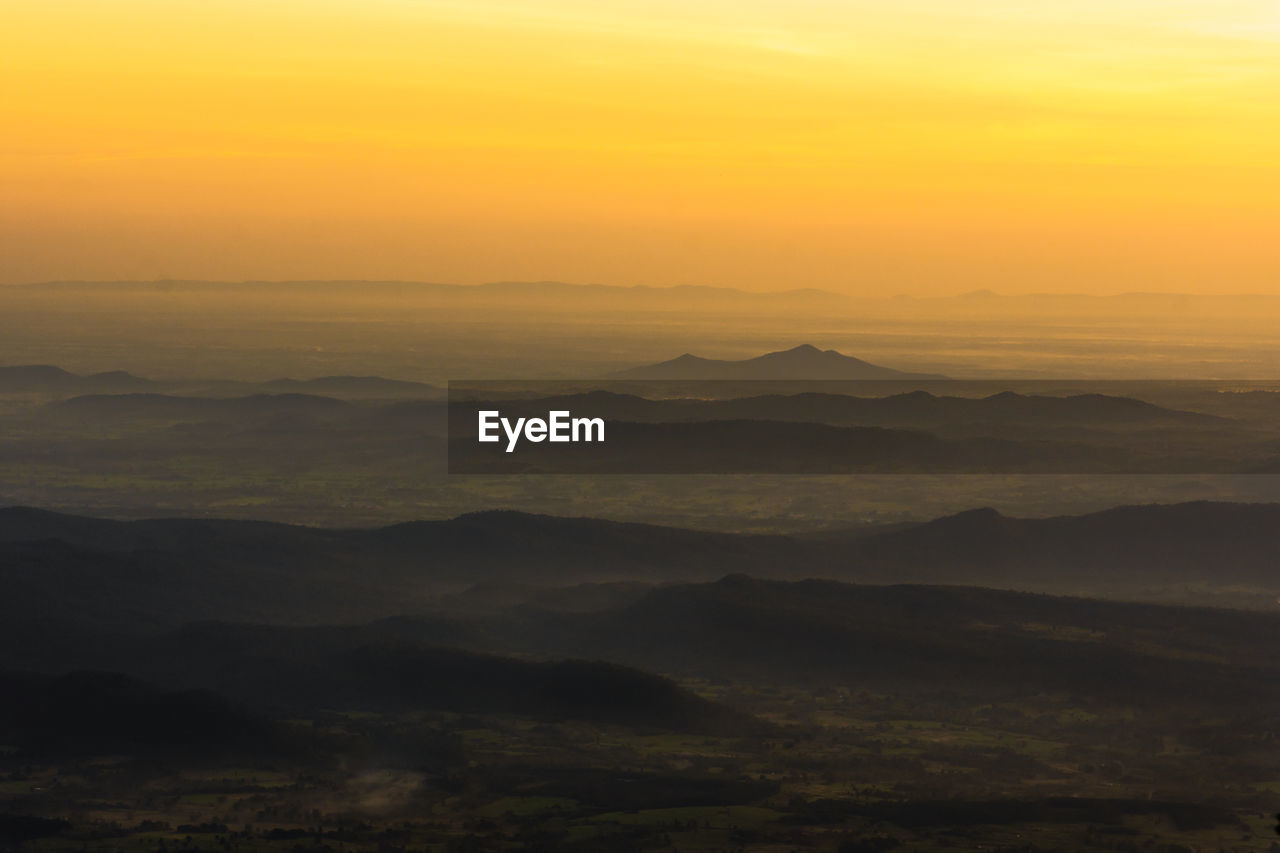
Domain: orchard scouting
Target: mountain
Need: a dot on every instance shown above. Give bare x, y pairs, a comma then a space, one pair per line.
95, 407
144, 576
372, 669
802, 362
813, 633
363, 613
893, 637
100, 712
1134, 547
154, 574
48, 379
352, 387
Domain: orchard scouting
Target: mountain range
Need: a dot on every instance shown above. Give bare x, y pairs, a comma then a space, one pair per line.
48, 379
159, 574
802, 362
522, 615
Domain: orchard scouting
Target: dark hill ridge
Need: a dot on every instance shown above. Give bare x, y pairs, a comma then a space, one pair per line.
803, 362
198, 408
49, 379
1190, 543
169, 571
502, 536
28, 524
919, 637
101, 713
368, 668
352, 386
957, 640
46, 378
96, 594
286, 671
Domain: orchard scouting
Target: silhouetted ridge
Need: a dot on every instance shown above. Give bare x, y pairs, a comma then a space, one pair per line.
801, 362
241, 410
104, 712
47, 378
162, 572
380, 667
925, 637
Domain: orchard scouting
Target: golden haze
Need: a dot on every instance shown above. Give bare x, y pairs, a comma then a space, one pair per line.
921, 147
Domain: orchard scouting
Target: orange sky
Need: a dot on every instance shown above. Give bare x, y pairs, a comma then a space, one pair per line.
914, 146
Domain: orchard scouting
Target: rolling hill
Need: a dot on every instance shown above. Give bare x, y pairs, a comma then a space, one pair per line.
749, 630
158, 574
48, 379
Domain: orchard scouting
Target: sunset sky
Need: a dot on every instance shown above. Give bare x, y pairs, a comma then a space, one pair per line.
913, 146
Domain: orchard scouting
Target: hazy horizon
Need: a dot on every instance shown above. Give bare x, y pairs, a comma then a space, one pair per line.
535, 282
860, 147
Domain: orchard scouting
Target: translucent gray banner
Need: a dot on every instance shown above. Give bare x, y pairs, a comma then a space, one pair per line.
872, 427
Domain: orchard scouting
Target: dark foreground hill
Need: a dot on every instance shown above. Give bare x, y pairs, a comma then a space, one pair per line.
100, 712
1203, 544
739, 630
143, 575
303, 670
166, 572
963, 639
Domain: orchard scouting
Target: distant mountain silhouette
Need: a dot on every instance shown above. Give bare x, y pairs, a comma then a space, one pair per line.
46, 378
50, 379
194, 408
1202, 543
802, 362
384, 289
352, 386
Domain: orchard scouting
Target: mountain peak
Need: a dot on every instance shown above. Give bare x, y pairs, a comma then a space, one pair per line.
803, 362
